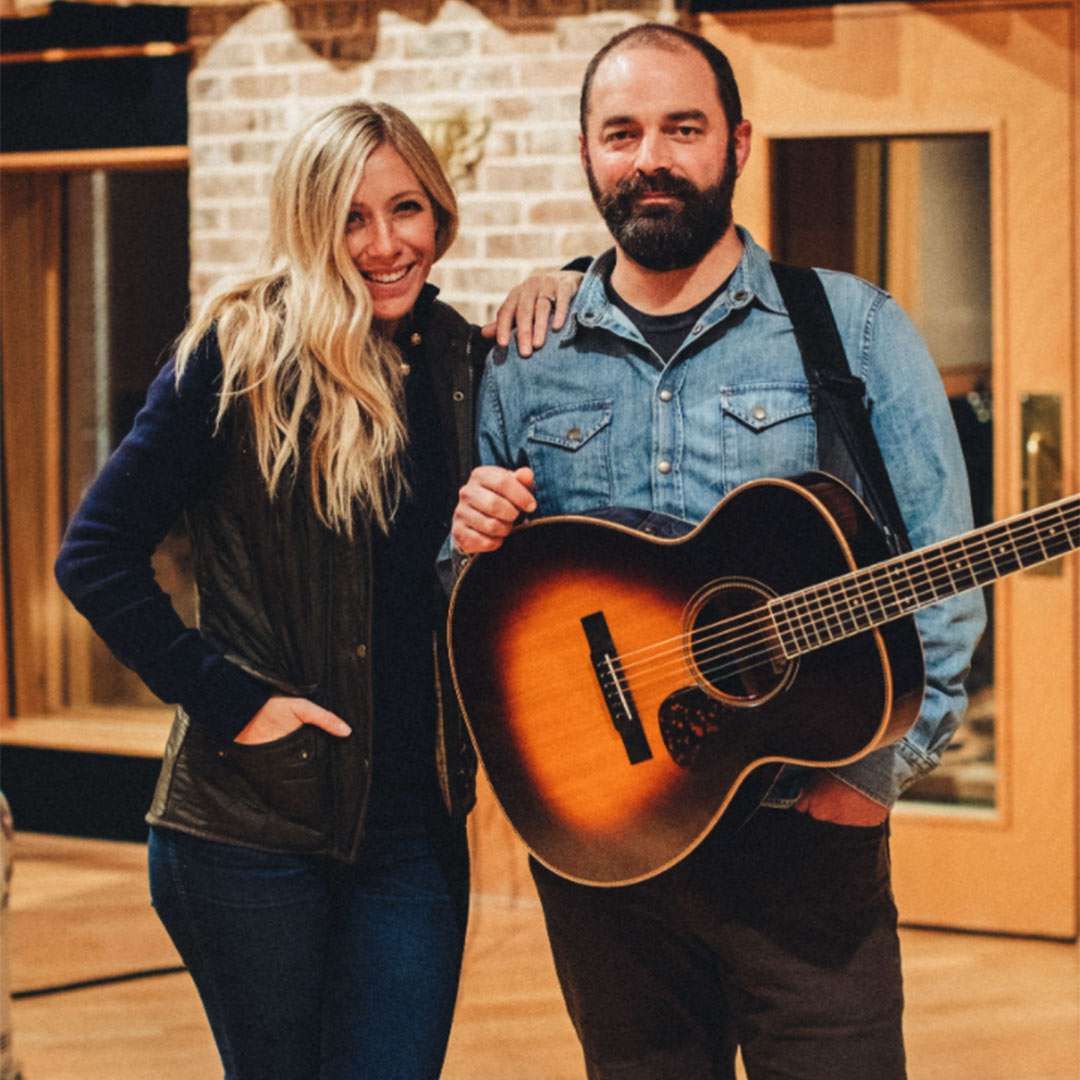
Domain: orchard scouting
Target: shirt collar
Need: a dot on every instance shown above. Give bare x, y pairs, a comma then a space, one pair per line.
751, 280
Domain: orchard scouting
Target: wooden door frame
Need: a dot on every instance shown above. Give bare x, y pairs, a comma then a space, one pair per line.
884, 69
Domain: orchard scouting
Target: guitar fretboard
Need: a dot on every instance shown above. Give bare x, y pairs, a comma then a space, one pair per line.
878, 594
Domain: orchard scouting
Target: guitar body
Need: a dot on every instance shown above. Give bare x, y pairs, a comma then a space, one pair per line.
611, 786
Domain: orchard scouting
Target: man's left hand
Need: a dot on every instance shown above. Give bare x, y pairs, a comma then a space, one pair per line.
828, 799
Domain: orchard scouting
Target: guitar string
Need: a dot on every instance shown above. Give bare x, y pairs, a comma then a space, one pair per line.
771, 653
747, 660
933, 570
823, 628
880, 575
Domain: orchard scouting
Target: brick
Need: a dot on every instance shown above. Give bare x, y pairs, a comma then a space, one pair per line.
249, 219
207, 155
358, 45
260, 86
554, 73
328, 83
487, 212
552, 142
424, 79
465, 246
501, 144
584, 240
472, 77
204, 88
484, 278
510, 43
289, 50
563, 212
232, 54
438, 44
254, 153
228, 185
571, 178
589, 35
233, 121
552, 8
517, 177
519, 245
206, 219
233, 250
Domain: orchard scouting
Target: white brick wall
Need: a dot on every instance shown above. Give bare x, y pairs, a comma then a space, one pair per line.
514, 64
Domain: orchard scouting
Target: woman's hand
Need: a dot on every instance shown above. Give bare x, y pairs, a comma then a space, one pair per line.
489, 505
528, 307
281, 716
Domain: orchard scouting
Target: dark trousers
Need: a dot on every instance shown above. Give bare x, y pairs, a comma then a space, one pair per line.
781, 941
311, 970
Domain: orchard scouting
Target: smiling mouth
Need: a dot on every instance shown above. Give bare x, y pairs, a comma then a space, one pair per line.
388, 277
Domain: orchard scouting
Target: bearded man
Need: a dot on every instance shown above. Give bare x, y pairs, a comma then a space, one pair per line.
677, 377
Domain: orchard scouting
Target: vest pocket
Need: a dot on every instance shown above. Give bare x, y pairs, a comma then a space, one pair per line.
288, 774
570, 453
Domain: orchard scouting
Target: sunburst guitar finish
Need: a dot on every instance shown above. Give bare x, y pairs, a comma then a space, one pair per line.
626, 692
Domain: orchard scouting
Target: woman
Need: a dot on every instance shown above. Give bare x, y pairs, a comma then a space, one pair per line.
307, 848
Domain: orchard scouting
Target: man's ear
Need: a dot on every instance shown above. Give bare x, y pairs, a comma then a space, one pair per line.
741, 135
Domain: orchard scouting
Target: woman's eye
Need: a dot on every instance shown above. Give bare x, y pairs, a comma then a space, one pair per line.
409, 206
354, 220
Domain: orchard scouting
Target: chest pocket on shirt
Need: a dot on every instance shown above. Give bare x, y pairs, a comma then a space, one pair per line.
570, 453
766, 429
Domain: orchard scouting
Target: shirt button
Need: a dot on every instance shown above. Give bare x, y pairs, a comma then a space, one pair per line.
574, 434
361, 651
665, 395
415, 338
740, 296
664, 467
457, 395
759, 412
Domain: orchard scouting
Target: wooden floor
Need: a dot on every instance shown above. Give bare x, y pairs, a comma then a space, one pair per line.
980, 1008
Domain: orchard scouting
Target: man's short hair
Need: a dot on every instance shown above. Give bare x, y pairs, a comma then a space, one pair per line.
673, 39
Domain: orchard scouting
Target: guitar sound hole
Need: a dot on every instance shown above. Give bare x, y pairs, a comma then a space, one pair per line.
733, 648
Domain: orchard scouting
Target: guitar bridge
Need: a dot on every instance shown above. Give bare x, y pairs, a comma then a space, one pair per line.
616, 694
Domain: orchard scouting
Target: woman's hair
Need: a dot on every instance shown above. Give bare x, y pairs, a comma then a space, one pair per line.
296, 340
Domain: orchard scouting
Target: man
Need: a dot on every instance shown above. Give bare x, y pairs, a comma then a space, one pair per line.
675, 378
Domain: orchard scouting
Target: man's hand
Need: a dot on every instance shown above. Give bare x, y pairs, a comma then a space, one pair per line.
281, 716
489, 505
528, 307
829, 799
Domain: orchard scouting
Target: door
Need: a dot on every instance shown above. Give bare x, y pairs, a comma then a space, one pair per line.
896, 100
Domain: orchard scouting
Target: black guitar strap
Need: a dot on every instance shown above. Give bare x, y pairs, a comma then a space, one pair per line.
845, 437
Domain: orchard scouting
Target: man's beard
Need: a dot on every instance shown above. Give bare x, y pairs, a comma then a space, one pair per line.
665, 237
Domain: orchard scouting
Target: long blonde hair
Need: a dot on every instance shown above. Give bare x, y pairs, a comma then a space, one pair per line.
296, 340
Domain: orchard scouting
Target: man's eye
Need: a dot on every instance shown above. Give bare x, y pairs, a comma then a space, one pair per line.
687, 131
617, 136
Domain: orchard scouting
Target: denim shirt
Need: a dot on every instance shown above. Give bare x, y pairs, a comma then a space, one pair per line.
603, 422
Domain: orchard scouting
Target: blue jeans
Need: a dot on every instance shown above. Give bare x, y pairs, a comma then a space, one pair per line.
314, 970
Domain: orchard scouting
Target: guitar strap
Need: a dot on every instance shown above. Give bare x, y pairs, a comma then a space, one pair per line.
845, 437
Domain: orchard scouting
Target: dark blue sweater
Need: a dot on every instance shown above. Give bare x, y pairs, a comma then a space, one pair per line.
165, 463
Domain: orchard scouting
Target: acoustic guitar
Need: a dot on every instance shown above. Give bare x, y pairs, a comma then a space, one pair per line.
627, 694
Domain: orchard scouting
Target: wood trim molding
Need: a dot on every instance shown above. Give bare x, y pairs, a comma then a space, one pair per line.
141, 158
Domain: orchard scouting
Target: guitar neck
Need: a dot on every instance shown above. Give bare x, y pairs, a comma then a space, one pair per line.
841, 607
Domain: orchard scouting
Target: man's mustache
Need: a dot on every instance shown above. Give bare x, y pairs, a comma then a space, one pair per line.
637, 187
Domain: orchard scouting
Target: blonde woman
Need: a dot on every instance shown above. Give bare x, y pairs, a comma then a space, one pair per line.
307, 849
